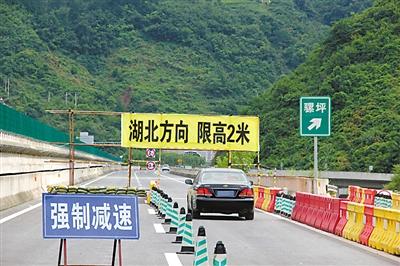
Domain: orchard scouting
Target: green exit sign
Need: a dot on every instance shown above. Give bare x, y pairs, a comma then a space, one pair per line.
315, 116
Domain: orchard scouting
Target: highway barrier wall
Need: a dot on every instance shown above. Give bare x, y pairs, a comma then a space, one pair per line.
355, 218
292, 183
19, 188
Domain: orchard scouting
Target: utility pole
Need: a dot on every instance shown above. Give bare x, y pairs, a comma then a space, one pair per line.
66, 98
76, 100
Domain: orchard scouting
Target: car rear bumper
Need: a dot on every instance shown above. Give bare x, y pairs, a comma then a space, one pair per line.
224, 205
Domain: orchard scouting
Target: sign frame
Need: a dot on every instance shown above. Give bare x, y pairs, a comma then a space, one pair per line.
135, 220
304, 132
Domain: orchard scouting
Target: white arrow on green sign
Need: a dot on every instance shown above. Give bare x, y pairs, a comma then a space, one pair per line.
315, 116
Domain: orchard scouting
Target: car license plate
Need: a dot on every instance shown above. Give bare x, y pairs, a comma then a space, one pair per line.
226, 193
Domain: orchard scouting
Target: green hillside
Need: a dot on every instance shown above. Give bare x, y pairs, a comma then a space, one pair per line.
358, 65
153, 56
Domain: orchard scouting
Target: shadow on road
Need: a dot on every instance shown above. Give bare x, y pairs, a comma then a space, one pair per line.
220, 217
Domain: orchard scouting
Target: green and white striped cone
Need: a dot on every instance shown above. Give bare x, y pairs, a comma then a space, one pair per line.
220, 258
388, 201
292, 204
278, 203
163, 206
201, 254
168, 212
157, 199
187, 246
181, 226
174, 219
159, 202
153, 196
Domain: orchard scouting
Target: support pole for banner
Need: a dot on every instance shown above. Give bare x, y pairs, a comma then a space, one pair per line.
71, 147
130, 166
258, 167
159, 162
229, 159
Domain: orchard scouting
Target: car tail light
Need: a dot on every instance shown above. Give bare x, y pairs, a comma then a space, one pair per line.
203, 191
246, 193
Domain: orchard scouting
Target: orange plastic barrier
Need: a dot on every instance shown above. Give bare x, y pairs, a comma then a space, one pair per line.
317, 211
369, 196
352, 191
273, 193
260, 197
368, 228
342, 218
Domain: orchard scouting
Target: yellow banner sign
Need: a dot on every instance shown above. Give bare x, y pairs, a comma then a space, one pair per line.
190, 132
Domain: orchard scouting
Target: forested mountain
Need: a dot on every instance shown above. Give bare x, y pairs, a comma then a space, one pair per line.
358, 65
153, 56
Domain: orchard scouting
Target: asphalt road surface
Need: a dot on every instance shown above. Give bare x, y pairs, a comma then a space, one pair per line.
267, 240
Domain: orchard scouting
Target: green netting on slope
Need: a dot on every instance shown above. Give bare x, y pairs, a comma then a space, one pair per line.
19, 123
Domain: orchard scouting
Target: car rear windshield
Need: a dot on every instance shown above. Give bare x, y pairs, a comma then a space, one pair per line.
224, 178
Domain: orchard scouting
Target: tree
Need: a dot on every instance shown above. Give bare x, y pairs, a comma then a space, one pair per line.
395, 183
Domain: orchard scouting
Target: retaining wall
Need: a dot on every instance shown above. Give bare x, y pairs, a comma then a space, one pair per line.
17, 189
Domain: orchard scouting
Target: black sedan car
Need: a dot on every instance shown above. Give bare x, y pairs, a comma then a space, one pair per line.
220, 190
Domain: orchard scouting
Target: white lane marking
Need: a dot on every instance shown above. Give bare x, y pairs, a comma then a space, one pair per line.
173, 179
352, 243
14, 215
97, 179
159, 228
137, 179
151, 211
172, 259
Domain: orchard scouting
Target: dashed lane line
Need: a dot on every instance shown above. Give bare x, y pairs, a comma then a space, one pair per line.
159, 228
171, 178
137, 179
172, 259
97, 179
151, 211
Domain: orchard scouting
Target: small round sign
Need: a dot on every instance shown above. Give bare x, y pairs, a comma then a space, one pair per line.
150, 153
150, 165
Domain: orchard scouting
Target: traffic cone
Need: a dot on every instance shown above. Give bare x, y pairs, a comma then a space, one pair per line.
181, 226
220, 258
187, 246
159, 202
174, 220
168, 211
201, 254
163, 206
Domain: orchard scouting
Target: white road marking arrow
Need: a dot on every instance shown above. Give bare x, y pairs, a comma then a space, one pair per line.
315, 123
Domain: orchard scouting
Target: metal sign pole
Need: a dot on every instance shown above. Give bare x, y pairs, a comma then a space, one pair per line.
229, 159
315, 164
130, 166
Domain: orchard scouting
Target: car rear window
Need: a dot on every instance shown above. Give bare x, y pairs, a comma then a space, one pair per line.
224, 178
